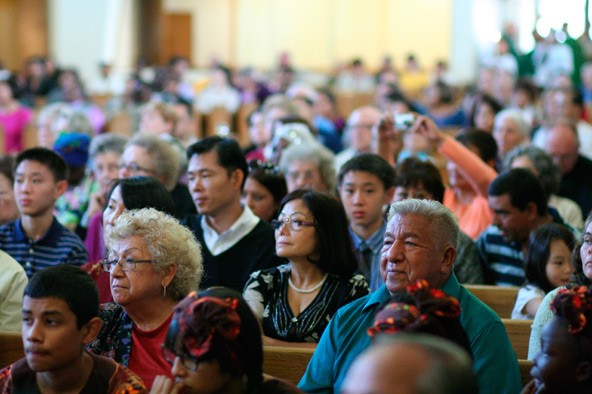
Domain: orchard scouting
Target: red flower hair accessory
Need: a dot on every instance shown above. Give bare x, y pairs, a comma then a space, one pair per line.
203, 319
572, 305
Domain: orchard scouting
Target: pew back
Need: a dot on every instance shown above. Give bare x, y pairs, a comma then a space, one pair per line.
519, 333
11, 348
287, 363
499, 298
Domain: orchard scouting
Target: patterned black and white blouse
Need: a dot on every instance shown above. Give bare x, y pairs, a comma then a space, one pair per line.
266, 292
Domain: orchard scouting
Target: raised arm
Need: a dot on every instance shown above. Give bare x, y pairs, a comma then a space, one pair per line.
475, 170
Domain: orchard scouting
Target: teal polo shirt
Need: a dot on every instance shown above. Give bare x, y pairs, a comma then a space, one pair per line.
495, 362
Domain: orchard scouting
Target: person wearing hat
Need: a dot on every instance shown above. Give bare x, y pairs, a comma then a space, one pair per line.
70, 207
214, 345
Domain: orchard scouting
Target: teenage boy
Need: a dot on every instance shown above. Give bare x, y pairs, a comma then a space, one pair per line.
36, 240
60, 317
366, 185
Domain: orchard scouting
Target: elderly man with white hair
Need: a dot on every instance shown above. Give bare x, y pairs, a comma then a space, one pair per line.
510, 130
420, 242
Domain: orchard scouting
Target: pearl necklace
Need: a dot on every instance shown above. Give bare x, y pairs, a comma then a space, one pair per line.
307, 291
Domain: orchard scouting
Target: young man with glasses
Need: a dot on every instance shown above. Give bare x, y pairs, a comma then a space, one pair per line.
234, 241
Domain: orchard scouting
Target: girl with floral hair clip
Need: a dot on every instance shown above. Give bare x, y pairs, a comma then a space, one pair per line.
421, 309
214, 346
564, 364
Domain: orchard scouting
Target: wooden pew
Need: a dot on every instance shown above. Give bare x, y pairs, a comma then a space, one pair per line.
525, 366
499, 298
519, 333
346, 102
242, 127
287, 363
11, 348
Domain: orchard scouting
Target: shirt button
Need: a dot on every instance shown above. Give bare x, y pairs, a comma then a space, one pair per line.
31, 250
28, 264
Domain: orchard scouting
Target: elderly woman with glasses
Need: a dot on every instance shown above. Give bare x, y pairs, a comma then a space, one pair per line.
153, 262
295, 301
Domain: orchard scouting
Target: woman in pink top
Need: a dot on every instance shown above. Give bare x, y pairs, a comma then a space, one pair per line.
13, 118
470, 171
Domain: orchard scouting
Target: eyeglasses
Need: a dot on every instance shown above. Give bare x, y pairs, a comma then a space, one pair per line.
135, 168
189, 362
293, 224
127, 264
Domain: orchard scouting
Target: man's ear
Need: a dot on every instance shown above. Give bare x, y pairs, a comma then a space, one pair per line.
532, 210
448, 259
61, 187
91, 330
237, 177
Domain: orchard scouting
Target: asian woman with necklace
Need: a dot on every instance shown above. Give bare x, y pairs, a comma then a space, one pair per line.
295, 301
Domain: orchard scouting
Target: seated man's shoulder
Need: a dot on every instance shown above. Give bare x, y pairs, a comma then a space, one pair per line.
475, 312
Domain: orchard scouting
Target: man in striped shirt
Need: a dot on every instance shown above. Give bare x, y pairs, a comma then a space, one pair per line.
36, 240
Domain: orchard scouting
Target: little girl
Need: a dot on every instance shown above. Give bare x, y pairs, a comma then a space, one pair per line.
547, 266
564, 364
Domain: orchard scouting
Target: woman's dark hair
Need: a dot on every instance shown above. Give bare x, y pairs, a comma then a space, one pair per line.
484, 98
421, 309
445, 92
217, 324
578, 277
144, 192
270, 177
11, 84
482, 140
539, 250
336, 252
7, 167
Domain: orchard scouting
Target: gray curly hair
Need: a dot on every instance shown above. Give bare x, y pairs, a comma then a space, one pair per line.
167, 241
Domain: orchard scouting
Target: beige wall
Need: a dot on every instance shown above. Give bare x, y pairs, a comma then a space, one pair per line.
317, 33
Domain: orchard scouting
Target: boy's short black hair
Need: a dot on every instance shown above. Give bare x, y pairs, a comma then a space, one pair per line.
413, 172
522, 186
372, 164
69, 284
56, 164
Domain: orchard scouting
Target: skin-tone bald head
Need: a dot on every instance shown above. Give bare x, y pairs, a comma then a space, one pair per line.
562, 145
359, 127
374, 372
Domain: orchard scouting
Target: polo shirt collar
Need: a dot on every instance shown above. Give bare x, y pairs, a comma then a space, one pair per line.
50, 237
451, 287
